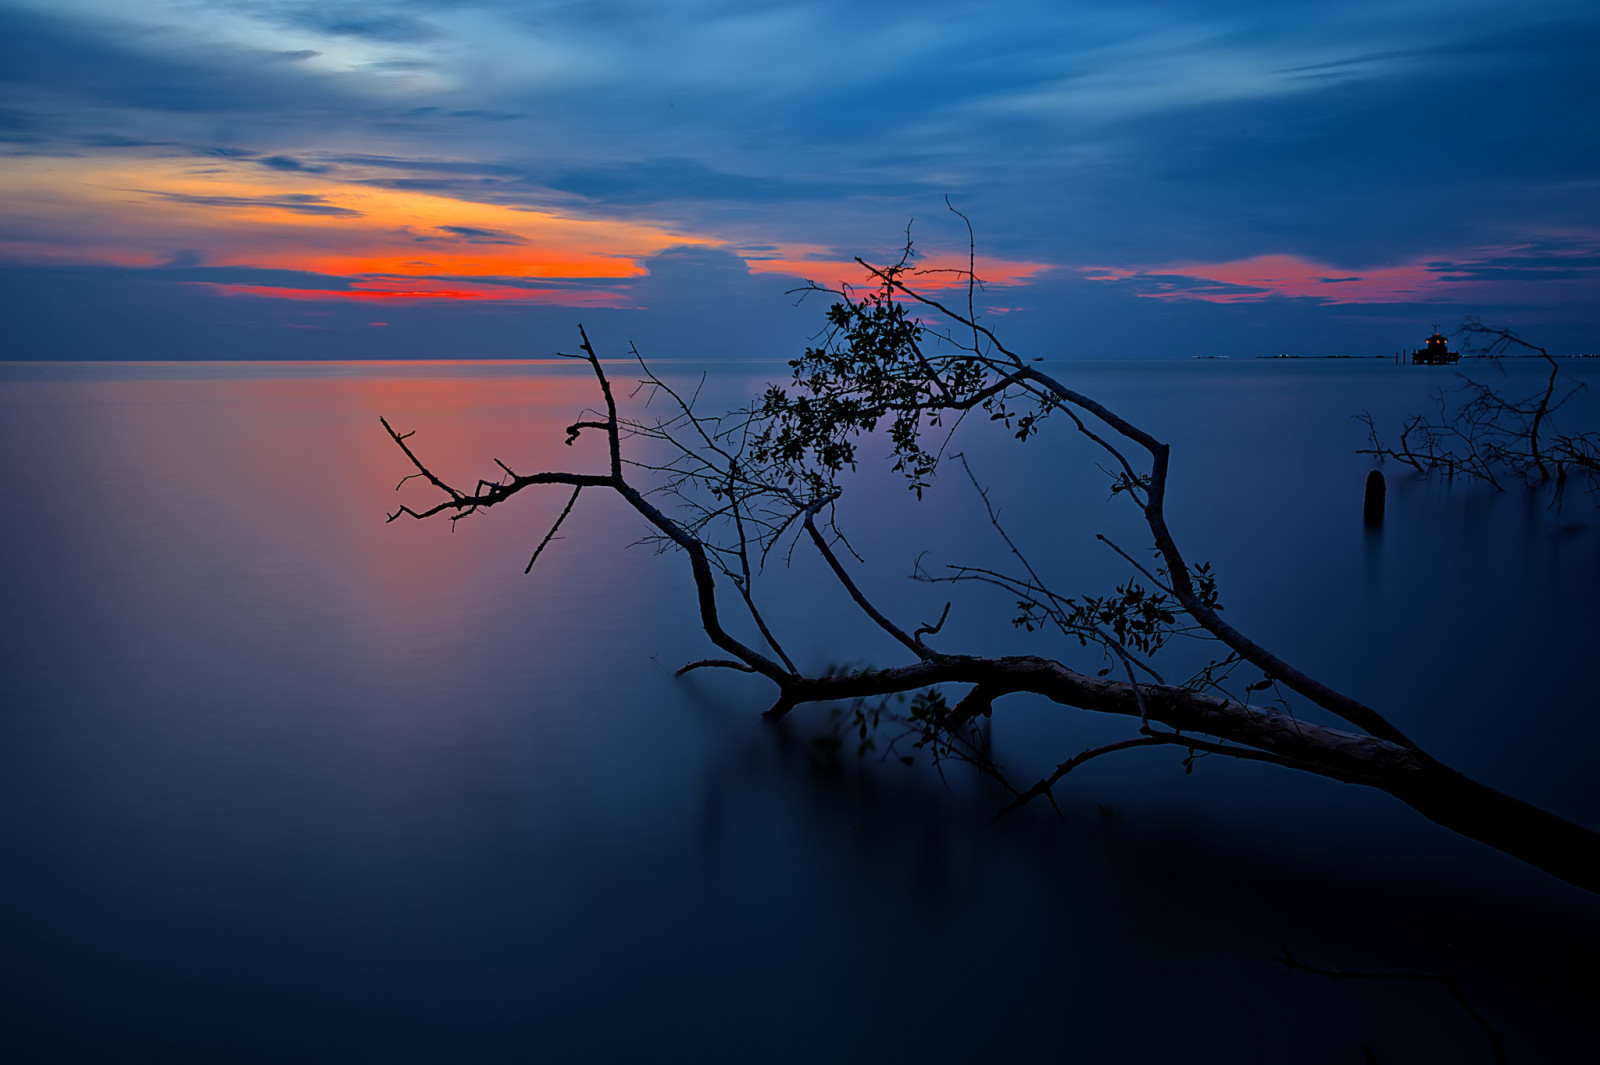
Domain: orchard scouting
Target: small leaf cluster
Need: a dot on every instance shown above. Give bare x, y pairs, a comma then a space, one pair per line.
920, 721
873, 369
1137, 619
1022, 425
929, 706
863, 719
929, 721
1204, 580
1125, 482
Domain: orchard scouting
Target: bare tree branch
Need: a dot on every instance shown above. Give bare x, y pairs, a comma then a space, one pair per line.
737, 482
1497, 1044
1482, 435
551, 535
714, 663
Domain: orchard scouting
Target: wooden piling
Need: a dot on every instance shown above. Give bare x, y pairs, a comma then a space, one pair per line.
1372, 503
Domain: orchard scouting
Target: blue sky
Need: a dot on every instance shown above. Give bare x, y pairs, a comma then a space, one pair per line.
259, 178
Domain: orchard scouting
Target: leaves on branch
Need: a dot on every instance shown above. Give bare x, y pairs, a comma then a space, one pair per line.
727, 490
877, 365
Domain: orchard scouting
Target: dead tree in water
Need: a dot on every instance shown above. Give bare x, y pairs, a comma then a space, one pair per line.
896, 360
1480, 434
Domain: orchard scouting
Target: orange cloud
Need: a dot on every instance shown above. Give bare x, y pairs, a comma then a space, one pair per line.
390, 291
385, 244
146, 212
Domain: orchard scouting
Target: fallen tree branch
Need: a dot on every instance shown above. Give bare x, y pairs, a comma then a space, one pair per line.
1497, 1042
738, 482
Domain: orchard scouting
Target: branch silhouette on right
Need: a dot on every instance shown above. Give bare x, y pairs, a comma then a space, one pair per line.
1478, 433
734, 489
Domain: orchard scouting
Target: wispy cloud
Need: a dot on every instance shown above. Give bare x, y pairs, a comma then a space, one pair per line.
298, 203
475, 235
291, 164
1222, 153
1556, 268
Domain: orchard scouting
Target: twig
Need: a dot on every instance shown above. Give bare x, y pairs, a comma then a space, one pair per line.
1496, 1039
551, 535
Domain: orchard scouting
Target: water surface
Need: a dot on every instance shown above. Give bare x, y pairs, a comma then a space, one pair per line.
279, 781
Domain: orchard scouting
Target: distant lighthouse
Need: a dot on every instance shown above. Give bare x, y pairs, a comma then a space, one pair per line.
1435, 353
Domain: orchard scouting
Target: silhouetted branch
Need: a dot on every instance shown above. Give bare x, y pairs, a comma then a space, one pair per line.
931, 630
855, 593
1044, 786
737, 482
1496, 1040
714, 663
1482, 435
551, 535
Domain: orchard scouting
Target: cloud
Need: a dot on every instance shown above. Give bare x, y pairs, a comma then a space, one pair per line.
398, 65
1346, 63
349, 20
450, 234
184, 258
299, 203
473, 235
289, 163
1573, 259
1166, 140
651, 181
197, 312
487, 115
691, 305
188, 268
687, 269
1531, 274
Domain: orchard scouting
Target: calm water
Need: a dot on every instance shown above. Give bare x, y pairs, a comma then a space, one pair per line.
281, 782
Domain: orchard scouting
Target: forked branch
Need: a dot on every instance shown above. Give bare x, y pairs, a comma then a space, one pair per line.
737, 483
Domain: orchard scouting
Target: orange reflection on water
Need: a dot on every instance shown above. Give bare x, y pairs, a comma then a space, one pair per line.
316, 474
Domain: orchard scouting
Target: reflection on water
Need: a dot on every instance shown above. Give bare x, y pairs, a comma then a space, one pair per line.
280, 781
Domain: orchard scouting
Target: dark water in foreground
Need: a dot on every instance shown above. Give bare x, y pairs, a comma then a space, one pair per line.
279, 782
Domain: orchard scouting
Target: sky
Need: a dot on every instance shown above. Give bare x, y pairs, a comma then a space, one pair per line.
298, 179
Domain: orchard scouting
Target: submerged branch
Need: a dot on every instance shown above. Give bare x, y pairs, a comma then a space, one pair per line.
1483, 435
1497, 1043
743, 480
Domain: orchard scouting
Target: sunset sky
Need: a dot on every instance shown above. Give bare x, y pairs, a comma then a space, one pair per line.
421, 178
